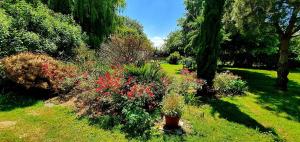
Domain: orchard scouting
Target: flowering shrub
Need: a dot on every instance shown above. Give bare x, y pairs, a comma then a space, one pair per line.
151, 74
229, 84
109, 84
128, 95
185, 71
115, 84
56, 74
188, 88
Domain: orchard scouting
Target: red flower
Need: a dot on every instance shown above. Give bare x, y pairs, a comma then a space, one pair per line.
185, 71
109, 83
149, 91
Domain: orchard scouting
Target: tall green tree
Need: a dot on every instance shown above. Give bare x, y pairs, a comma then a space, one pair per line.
98, 18
208, 41
174, 42
63, 6
190, 24
281, 17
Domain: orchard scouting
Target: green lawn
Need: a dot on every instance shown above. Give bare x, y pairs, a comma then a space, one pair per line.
58, 124
264, 114
263, 107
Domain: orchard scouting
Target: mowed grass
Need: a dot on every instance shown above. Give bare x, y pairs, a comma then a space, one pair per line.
271, 108
264, 114
172, 70
263, 108
39, 123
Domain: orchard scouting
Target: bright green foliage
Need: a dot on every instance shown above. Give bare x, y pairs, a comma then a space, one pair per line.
228, 84
191, 23
63, 6
149, 73
97, 17
281, 16
209, 39
174, 58
172, 105
174, 42
189, 63
27, 27
138, 120
128, 26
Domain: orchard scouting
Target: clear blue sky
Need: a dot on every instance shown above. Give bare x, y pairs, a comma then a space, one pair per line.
158, 17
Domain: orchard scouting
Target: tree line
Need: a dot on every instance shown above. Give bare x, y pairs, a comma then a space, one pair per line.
243, 33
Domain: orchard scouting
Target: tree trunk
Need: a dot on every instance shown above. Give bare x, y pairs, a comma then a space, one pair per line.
283, 66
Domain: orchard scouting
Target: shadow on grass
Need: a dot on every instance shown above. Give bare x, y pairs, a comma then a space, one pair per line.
13, 97
263, 85
10, 101
232, 113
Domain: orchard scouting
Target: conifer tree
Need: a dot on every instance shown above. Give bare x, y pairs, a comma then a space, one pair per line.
208, 40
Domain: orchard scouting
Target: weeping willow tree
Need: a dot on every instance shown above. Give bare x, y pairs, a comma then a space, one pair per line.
63, 6
96, 17
208, 40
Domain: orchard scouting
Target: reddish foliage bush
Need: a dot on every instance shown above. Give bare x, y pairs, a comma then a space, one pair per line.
116, 84
37, 71
126, 50
116, 89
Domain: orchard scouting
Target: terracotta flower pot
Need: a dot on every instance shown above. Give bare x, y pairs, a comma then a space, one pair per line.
172, 122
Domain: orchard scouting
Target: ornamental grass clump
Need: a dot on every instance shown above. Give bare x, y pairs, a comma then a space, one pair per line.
172, 108
172, 105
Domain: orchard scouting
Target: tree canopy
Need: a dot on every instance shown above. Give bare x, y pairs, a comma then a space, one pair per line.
98, 18
280, 17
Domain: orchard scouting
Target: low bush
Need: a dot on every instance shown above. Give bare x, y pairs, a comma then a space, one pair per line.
174, 58
150, 73
37, 71
188, 88
227, 83
147, 73
189, 63
138, 121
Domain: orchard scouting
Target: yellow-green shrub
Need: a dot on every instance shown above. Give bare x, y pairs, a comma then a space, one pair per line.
229, 84
37, 71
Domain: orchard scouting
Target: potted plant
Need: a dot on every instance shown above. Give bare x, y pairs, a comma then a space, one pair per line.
172, 108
